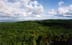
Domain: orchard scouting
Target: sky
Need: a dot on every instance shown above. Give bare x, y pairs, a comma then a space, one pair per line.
24, 10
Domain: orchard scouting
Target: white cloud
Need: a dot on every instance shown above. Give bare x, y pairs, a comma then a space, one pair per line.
65, 10
20, 8
38, 16
52, 12
61, 10
61, 3
70, 6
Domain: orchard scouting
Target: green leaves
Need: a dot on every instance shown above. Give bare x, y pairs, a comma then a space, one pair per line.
19, 33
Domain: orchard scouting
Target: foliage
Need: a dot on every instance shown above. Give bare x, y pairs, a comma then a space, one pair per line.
26, 33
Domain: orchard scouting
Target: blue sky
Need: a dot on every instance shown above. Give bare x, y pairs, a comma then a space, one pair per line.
49, 4
23, 10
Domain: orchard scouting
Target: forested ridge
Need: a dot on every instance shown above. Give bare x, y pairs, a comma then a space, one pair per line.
45, 32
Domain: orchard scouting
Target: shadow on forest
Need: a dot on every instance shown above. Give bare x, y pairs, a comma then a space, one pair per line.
55, 40
62, 23
61, 39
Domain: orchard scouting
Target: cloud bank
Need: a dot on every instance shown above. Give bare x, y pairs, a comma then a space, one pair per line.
19, 9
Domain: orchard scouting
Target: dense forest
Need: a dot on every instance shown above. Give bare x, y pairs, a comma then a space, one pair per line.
44, 32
